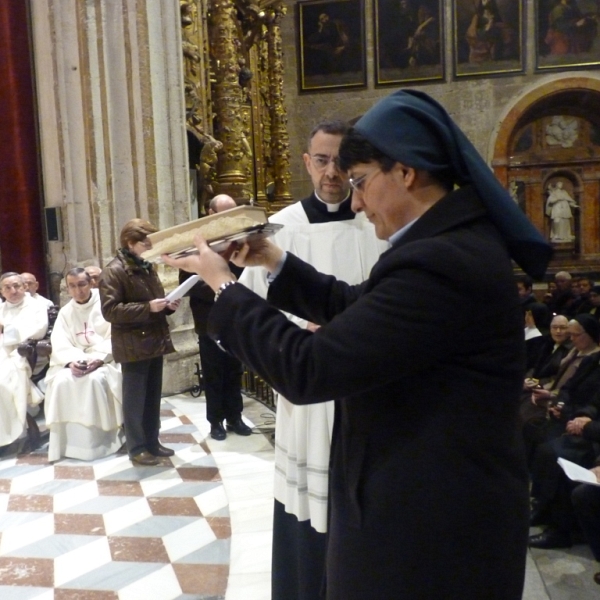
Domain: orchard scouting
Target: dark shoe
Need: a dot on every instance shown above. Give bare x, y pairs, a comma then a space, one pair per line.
217, 432
538, 517
549, 539
238, 426
161, 451
597, 578
144, 458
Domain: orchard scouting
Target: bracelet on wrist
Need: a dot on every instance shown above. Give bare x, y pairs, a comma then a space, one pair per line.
223, 287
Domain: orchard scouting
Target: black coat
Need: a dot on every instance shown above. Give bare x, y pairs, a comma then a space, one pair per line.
429, 491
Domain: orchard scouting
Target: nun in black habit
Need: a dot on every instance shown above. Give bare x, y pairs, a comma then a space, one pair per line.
428, 485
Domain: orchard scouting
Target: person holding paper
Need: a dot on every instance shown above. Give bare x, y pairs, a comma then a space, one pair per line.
222, 372
585, 499
133, 301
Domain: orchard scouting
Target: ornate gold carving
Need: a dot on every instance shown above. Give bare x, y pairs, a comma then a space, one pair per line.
280, 147
234, 92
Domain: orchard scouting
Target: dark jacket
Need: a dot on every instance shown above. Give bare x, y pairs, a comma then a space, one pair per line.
125, 292
202, 299
549, 359
428, 488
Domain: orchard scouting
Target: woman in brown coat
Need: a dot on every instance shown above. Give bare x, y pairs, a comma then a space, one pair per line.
133, 301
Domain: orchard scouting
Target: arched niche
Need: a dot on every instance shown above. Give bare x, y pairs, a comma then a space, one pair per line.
549, 140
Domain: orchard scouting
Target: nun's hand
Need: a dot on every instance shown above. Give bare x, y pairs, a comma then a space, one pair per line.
210, 266
258, 253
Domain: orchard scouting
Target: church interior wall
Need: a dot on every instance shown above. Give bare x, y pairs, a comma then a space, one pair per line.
113, 119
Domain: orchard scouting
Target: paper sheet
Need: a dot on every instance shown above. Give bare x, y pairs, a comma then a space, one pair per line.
181, 290
577, 473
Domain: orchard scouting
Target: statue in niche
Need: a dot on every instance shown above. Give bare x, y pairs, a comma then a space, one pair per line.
558, 208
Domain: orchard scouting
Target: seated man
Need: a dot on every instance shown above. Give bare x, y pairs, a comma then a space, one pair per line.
83, 398
94, 273
21, 318
31, 286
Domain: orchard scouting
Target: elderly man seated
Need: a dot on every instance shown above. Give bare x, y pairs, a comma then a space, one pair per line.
83, 397
21, 318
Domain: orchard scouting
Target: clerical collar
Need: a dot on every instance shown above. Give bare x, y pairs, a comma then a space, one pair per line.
82, 303
332, 207
318, 211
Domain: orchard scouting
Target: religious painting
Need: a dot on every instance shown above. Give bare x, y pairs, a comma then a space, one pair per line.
488, 38
409, 43
567, 35
331, 44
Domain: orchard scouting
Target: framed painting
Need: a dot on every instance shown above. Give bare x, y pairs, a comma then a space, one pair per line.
331, 44
567, 34
409, 42
488, 37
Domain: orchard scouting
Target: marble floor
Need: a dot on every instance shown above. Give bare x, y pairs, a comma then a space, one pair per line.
196, 527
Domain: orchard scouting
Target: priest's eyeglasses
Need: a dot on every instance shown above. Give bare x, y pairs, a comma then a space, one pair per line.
322, 161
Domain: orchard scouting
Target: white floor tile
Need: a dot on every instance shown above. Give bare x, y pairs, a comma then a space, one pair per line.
160, 585
73, 564
186, 540
124, 516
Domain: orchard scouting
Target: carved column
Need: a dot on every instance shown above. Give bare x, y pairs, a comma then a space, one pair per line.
280, 147
227, 100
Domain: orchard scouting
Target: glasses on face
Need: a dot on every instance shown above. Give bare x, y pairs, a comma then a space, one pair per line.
358, 183
322, 161
11, 286
558, 327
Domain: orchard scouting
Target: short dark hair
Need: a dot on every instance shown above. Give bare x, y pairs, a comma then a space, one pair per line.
355, 149
135, 231
526, 281
330, 126
76, 272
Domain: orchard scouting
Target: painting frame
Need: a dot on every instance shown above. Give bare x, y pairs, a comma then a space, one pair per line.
409, 42
574, 44
331, 45
488, 38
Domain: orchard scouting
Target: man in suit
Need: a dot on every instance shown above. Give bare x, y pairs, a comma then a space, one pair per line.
221, 371
428, 485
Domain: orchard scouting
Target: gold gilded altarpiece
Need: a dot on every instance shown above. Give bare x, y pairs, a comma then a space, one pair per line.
234, 100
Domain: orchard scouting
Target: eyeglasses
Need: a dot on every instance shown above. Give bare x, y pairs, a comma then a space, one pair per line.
558, 327
12, 286
322, 161
358, 183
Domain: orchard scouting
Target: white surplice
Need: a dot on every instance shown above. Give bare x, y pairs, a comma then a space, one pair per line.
348, 250
25, 320
84, 414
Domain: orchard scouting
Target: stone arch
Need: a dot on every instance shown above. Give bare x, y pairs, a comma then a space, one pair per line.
526, 155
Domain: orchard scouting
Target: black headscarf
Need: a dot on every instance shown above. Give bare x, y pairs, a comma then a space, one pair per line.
412, 128
590, 325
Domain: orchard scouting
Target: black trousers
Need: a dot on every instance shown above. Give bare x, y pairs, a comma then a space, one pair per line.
222, 375
586, 502
142, 387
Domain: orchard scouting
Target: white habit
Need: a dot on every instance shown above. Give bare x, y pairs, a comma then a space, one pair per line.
348, 250
84, 414
22, 321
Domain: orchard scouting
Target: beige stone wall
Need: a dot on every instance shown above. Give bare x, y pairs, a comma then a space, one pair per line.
477, 105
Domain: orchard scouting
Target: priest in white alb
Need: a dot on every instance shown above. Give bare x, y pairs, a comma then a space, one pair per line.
83, 397
21, 318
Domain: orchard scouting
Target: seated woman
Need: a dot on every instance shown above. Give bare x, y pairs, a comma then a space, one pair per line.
537, 321
83, 397
570, 431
